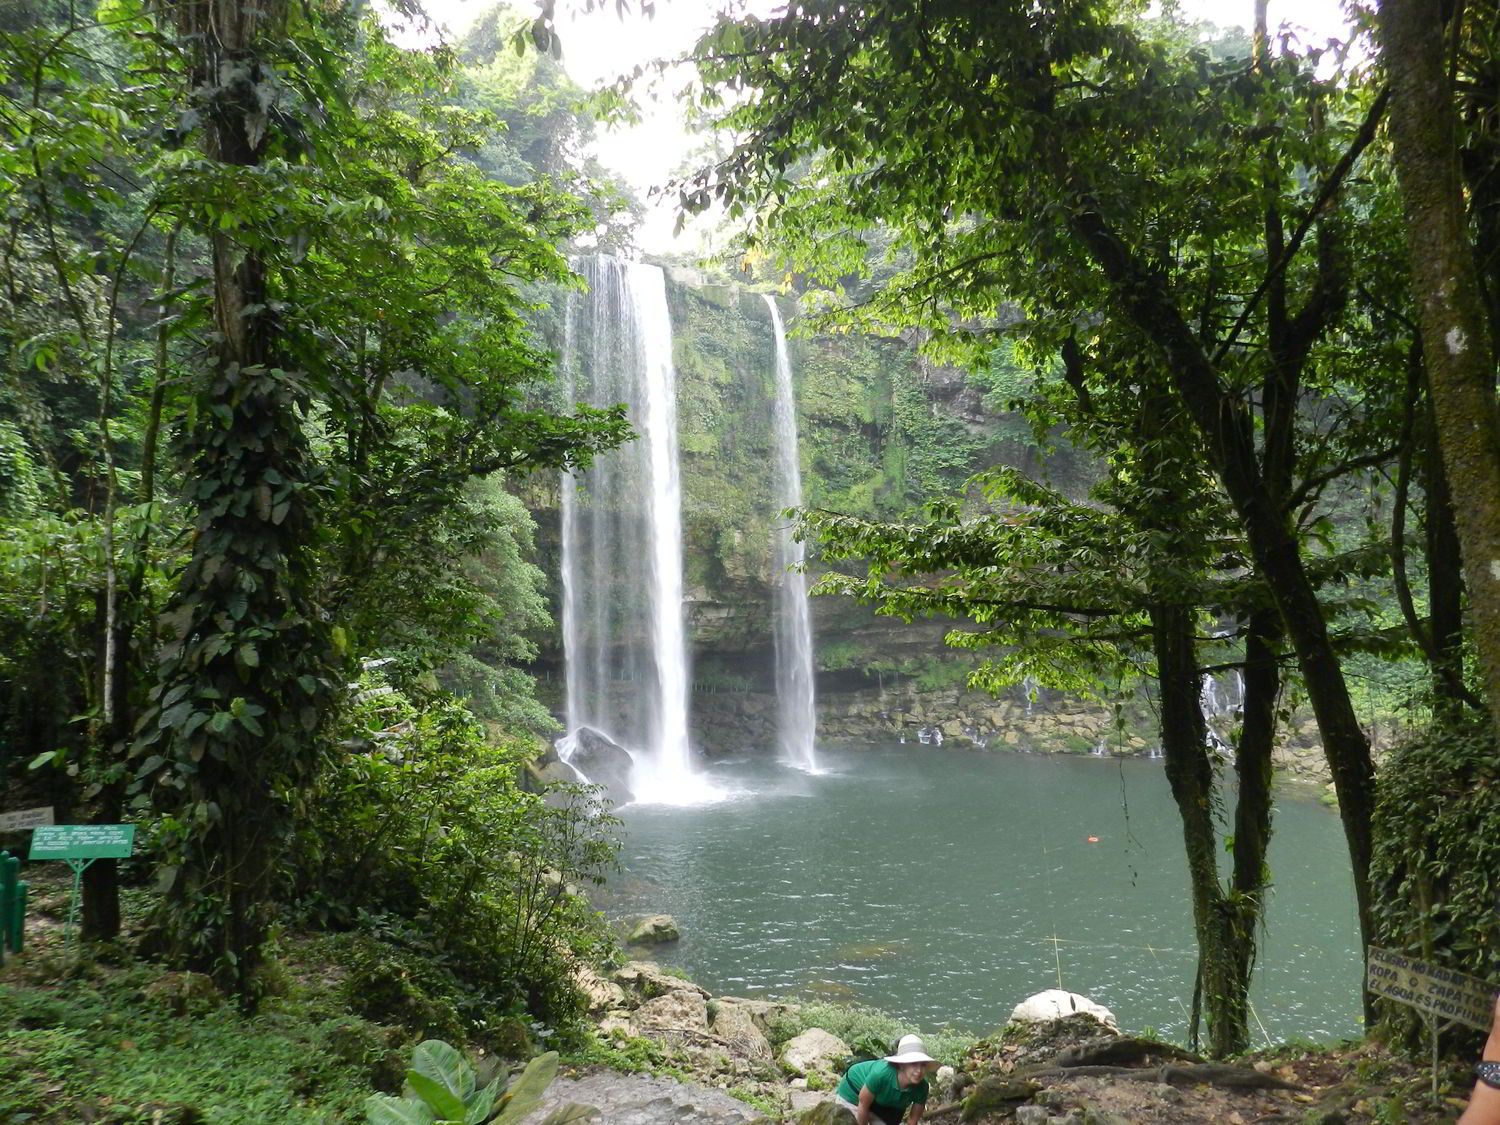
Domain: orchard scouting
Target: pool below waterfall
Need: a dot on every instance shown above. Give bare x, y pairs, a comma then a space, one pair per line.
943, 886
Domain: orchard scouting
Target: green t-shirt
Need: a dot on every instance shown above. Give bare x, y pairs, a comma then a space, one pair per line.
879, 1077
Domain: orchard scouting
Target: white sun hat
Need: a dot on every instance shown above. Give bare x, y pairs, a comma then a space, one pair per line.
910, 1050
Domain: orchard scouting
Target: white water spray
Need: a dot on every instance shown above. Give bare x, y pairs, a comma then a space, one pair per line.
793, 625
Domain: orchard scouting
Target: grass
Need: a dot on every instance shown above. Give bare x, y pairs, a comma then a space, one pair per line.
100, 1049
630, 1055
90, 1040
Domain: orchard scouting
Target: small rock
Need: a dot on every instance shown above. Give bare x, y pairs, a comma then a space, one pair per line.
763, 1012
1031, 1115
1052, 1099
184, 993
1100, 1117
1166, 1092
997, 1094
815, 1051
737, 1028
649, 979
171, 1113
943, 1082
600, 994
616, 1024
804, 1100
826, 1113
798, 1083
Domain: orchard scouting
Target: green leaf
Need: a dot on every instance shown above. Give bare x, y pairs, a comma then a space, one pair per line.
443, 1101
382, 1109
445, 1064
479, 1107
525, 1093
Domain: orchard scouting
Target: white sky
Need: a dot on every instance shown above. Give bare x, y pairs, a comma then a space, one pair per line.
599, 46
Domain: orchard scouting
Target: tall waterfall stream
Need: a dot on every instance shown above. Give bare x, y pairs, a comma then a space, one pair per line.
797, 725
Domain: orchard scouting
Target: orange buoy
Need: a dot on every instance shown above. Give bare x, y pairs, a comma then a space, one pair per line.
1093, 839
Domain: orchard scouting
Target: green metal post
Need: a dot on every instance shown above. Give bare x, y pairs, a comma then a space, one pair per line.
9, 868
18, 918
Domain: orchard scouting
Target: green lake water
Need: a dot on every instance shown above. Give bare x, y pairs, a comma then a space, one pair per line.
944, 886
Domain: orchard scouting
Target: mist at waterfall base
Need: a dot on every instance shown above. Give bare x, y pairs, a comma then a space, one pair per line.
943, 886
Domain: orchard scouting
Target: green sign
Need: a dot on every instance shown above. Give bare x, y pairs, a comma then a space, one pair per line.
82, 841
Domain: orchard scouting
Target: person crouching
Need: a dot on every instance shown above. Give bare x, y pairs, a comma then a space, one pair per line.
885, 1089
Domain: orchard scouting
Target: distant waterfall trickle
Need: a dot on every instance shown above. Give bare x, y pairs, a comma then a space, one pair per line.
1221, 699
623, 634
793, 624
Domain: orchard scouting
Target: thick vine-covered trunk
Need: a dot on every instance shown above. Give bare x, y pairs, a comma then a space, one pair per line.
1252, 757
1456, 335
231, 732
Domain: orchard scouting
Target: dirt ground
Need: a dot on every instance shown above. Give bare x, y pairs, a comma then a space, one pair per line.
1324, 1086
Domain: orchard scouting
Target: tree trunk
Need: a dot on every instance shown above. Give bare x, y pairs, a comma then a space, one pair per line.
1223, 978
1455, 334
1445, 581
1252, 758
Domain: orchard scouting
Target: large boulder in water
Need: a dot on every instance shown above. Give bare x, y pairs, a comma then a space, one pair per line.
654, 929
604, 762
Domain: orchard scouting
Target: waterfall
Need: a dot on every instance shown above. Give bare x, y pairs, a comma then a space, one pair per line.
793, 624
623, 635
1221, 700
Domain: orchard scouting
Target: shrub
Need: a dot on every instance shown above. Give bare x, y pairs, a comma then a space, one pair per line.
1435, 871
388, 984
457, 864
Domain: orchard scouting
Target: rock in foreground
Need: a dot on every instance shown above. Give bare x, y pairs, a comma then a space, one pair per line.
633, 1099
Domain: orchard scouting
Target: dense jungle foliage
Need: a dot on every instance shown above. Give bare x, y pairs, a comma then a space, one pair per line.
1123, 348
269, 357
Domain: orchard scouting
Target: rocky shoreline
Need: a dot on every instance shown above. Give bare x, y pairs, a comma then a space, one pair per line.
729, 1060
